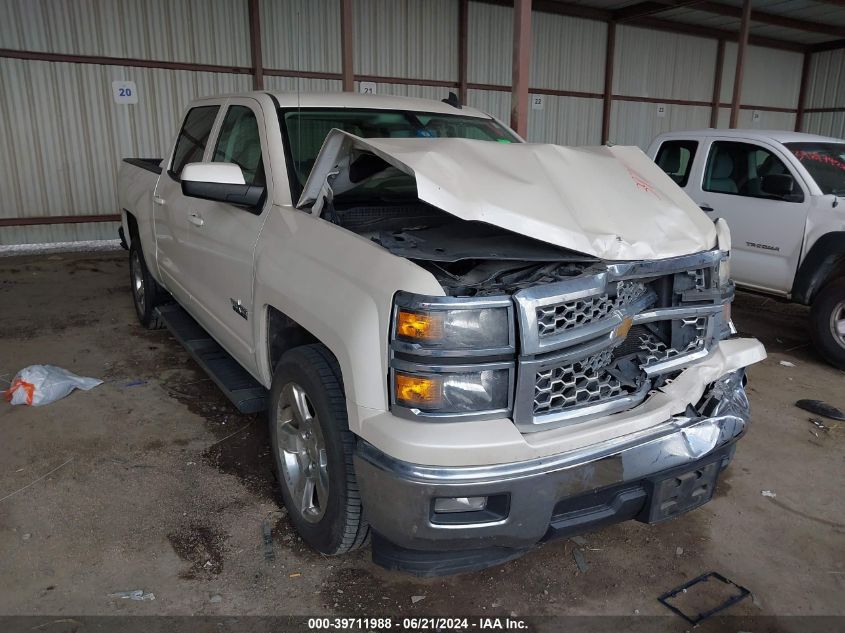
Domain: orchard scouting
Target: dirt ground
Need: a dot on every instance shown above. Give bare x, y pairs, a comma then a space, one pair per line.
156, 483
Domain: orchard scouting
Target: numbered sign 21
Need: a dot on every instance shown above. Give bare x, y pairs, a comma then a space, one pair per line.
124, 92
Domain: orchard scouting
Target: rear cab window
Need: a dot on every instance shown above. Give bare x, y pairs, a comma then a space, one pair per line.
675, 157
193, 137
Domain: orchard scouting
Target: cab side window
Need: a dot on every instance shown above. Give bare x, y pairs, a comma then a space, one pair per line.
744, 169
239, 143
675, 158
193, 137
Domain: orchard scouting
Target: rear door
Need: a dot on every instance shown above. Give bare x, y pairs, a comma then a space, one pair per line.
172, 210
223, 236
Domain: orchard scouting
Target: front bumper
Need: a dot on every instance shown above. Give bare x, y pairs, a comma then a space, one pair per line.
629, 477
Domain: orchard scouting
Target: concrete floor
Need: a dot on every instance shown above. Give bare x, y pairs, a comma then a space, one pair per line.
160, 485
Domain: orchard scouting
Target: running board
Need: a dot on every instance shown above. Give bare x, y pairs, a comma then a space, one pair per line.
245, 392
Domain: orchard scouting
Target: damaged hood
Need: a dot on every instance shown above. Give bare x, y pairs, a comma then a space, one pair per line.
613, 203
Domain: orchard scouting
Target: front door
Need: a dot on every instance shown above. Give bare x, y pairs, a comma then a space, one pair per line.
172, 210
223, 236
767, 230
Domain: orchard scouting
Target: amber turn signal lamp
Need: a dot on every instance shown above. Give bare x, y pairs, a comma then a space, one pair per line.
422, 326
417, 391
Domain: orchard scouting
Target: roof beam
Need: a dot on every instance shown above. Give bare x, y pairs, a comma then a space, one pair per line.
827, 46
562, 8
647, 21
650, 7
521, 66
762, 17
740, 62
718, 34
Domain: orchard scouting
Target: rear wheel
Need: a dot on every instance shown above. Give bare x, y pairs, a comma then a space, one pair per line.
828, 322
146, 293
313, 447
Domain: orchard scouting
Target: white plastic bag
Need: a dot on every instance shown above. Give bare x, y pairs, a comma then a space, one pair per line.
43, 384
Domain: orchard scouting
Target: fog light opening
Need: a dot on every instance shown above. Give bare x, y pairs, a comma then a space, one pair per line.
447, 505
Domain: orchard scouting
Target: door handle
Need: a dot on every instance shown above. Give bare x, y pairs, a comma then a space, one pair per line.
706, 208
159, 200
196, 219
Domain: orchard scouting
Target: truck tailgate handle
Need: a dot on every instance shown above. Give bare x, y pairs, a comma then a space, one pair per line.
196, 219
159, 200
706, 208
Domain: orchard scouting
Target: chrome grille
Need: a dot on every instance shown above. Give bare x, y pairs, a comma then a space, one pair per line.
573, 366
556, 318
582, 382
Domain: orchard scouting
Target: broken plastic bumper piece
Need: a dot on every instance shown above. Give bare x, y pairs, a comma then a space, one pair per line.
439, 520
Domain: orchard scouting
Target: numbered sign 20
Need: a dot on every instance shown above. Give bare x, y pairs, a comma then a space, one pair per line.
124, 92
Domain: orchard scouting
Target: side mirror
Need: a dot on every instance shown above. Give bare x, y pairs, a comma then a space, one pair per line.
221, 182
780, 185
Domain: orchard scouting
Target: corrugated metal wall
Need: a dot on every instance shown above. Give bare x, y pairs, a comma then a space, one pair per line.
207, 32
287, 35
566, 54
663, 65
60, 121
771, 77
406, 38
67, 134
826, 89
660, 65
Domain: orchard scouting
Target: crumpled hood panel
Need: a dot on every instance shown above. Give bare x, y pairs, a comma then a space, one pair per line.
610, 202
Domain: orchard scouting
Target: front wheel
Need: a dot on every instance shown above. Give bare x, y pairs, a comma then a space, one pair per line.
828, 323
313, 447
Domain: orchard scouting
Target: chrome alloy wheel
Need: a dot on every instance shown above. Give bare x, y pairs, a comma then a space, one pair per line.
837, 323
301, 451
138, 282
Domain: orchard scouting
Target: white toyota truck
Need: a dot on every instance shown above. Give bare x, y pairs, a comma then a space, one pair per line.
467, 344
782, 194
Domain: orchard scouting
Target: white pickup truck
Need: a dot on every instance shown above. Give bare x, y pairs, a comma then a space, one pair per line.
781, 194
467, 344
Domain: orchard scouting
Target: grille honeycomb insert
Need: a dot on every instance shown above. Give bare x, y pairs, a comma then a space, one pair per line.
582, 382
556, 318
657, 351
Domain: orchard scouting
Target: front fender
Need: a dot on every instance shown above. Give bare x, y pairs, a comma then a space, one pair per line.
339, 286
823, 262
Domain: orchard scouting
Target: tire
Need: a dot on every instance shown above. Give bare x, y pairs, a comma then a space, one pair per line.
146, 293
827, 316
312, 448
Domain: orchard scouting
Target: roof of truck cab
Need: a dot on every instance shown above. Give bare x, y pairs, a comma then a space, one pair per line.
352, 100
779, 136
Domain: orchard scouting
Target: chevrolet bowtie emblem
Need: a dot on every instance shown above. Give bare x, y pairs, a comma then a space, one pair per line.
622, 330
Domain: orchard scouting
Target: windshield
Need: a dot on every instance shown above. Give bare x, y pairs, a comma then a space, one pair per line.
825, 162
306, 129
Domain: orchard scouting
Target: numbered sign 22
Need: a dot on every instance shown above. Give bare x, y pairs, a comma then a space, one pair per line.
124, 92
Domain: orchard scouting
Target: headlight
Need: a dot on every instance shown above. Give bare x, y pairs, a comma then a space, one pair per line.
452, 358
452, 392
450, 327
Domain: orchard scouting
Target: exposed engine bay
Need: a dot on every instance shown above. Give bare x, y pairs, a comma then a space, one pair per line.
468, 259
